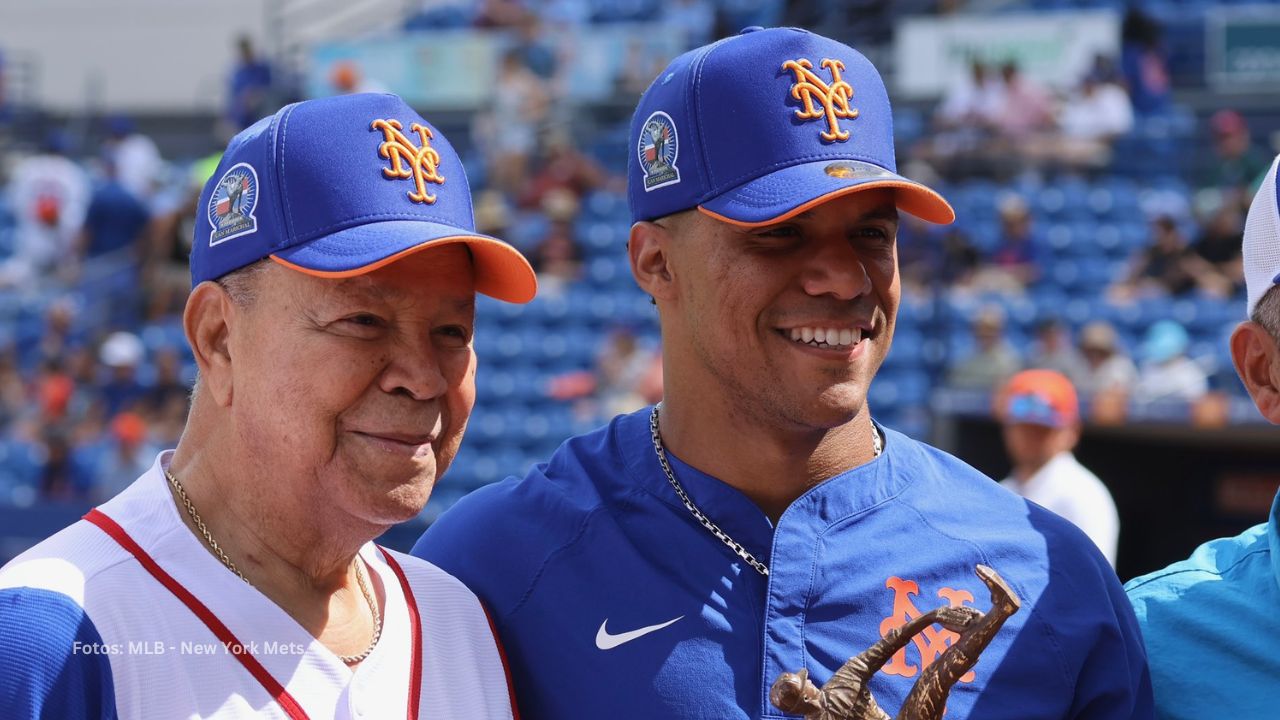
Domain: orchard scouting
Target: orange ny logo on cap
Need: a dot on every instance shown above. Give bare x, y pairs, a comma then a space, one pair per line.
820, 99
407, 160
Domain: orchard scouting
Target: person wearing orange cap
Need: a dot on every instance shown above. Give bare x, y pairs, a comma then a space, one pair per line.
1041, 417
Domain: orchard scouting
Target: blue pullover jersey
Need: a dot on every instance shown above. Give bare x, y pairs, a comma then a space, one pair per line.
613, 601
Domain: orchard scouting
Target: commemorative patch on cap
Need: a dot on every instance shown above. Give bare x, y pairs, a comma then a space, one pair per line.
232, 203
821, 99
657, 150
420, 162
848, 170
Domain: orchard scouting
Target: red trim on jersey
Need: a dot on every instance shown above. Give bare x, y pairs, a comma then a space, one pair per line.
238, 649
506, 667
234, 646
415, 632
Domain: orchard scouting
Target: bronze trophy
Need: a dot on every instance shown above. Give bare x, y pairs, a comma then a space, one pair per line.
846, 695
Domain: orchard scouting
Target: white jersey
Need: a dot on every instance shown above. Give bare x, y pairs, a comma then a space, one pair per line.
88, 630
1069, 489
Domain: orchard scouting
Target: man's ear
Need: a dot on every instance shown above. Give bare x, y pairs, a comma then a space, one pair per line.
648, 248
1254, 353
207, 320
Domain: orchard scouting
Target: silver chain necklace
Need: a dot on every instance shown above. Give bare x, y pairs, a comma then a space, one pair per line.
222, 555
707, 523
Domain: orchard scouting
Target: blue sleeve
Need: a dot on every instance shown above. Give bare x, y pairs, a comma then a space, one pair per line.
52, 659
1115, 681
482, 541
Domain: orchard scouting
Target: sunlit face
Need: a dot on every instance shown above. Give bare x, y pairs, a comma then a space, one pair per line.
790, 321
357, 391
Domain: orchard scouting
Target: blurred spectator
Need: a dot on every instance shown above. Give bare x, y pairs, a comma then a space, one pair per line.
1219, 246
1167, 267
1053, 351
54, 388
558, 259
168, 384
508, 132
973, 104
1107, 369
534, 49
116, 219
1041, 417
1166, 372
167, 424
124, 451
1091, 119
1237, 164
58, 335
493, 216
628, 375
58, 479
1143, 62
13, 391
561, 166
49, 194
164, 263
1027, 109
965, 121
249, 91
1105, 70
122, 353
1018, 259
959, 260
346, 77
500, 13
135, 157
995, 360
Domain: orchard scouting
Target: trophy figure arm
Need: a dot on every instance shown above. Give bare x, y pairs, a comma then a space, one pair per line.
928, 697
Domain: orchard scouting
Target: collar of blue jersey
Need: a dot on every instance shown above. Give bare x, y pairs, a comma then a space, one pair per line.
829, 502
1273, 537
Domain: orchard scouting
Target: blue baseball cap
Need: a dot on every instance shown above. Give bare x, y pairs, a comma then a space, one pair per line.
341, 186
758, 127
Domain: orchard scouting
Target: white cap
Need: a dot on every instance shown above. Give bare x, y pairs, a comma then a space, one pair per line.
1262, 239
121, 349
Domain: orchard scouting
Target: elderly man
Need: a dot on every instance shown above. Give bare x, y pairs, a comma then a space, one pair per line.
1210, 621
331, 319
757, 521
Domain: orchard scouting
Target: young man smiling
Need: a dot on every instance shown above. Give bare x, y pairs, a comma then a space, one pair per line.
677, 561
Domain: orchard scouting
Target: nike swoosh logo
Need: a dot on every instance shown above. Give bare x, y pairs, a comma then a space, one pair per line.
606, 641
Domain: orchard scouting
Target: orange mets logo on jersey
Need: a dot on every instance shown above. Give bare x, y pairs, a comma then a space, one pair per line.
407, 160
932, 641
820, 99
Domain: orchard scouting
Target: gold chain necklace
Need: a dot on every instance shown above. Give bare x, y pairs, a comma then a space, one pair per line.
222, 555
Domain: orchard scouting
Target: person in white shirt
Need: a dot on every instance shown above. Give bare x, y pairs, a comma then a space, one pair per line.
1167, 374
50, 194
1040, 413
